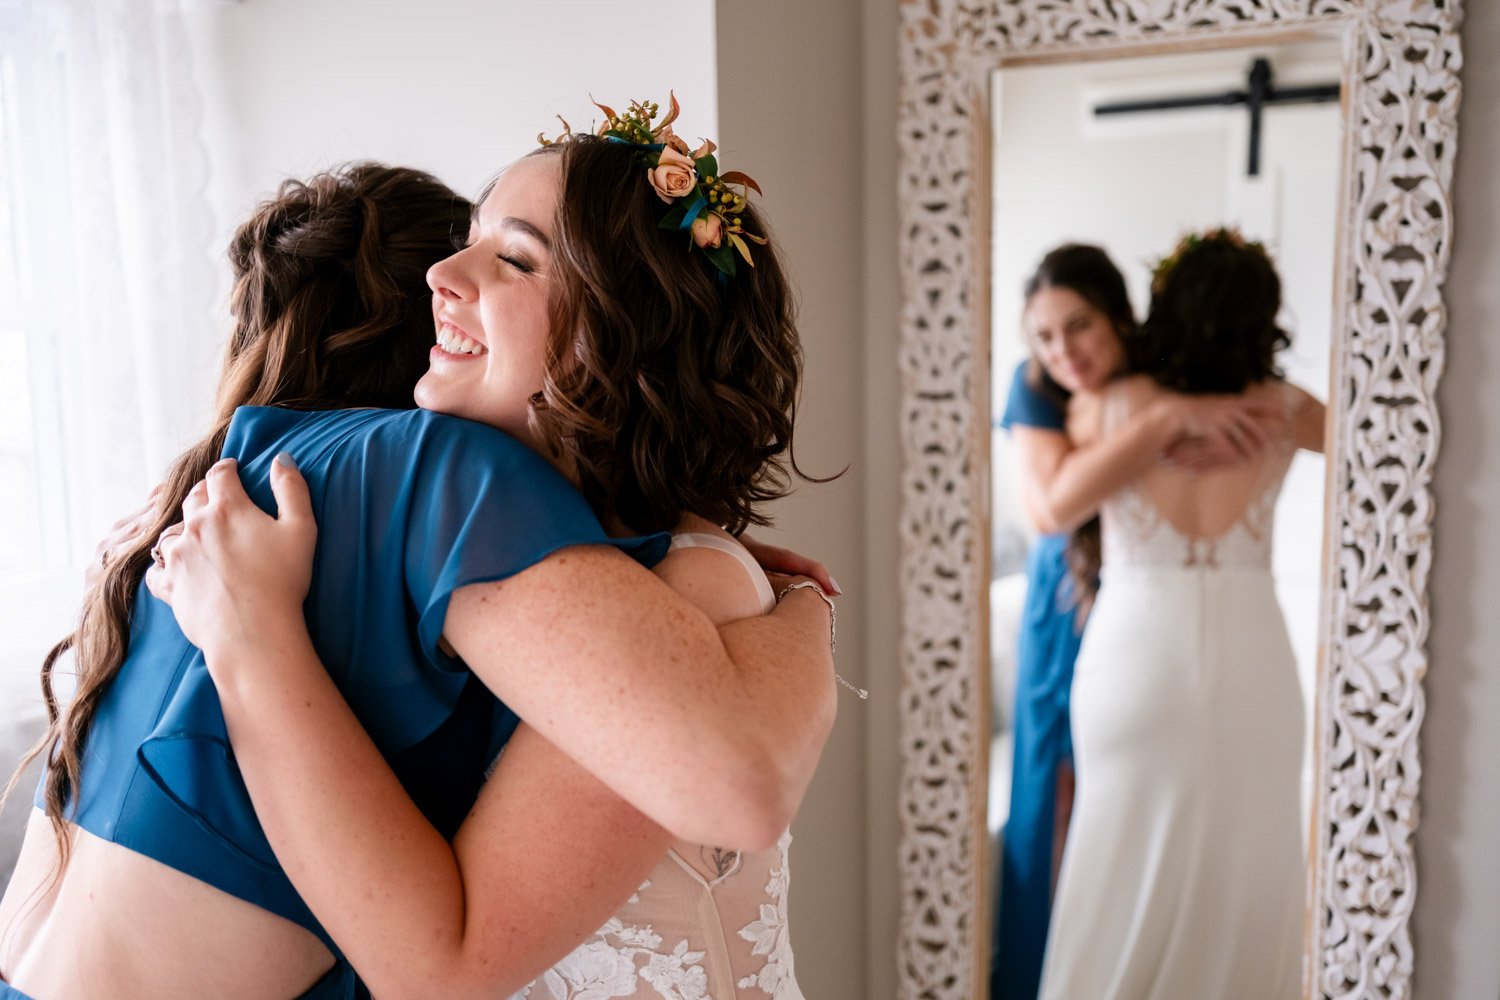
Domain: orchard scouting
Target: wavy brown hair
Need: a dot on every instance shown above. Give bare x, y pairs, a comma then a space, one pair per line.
1212, 324
667, 388
331, 309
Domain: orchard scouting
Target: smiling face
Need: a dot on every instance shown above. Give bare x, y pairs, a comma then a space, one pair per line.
1074, 341
490, 304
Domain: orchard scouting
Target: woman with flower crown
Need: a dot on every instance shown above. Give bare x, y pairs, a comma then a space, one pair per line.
1182, 875
608, 311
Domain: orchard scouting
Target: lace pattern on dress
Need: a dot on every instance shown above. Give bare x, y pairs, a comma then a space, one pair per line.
636, 953
1135, 533
768, 935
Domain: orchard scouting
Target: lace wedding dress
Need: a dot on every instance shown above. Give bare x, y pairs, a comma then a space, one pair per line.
1183, 873
708, 924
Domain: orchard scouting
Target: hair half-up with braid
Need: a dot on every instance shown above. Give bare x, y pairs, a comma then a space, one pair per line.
331, 309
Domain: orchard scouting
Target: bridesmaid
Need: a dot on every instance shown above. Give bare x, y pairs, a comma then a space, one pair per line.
1076, 320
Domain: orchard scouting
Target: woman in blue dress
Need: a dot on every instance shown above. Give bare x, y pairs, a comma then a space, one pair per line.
1076, 320
439, 536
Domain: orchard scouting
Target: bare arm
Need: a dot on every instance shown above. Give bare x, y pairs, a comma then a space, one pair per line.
1309, 422
545, 856
1064, 479
715, 734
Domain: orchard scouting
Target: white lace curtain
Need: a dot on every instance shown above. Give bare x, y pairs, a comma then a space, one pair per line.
108, 309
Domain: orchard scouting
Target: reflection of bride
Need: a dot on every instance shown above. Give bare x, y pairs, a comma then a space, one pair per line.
1183, 871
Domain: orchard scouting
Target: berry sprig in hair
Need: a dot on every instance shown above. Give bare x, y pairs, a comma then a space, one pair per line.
705, 204
1163, 268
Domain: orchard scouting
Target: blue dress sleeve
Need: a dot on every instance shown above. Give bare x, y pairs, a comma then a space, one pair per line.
1027, 407
485, 507
410, 507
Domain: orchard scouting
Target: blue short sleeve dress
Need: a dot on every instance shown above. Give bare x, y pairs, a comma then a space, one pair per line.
410, 507
1047, 645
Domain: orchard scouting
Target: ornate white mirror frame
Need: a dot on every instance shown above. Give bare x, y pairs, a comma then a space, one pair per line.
1400, 103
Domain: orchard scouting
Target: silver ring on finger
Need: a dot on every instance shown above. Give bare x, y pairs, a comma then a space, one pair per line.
157, 557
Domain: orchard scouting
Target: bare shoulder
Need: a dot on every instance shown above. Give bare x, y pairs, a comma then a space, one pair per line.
718, 582
1308, 417
1087, 411
1085, 417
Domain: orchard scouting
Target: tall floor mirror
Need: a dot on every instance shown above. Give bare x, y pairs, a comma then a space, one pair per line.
1215, 794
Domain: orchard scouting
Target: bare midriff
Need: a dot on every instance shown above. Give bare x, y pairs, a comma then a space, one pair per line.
122, 925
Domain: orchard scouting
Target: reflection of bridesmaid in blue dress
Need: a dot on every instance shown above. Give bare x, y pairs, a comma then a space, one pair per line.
1076, 312
1076, 318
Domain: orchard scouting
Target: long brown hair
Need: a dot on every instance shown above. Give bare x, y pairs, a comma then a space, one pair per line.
330, 307
667, 389
1088, 271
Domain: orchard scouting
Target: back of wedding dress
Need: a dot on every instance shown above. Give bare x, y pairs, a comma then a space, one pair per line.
1182, 875
1170, 518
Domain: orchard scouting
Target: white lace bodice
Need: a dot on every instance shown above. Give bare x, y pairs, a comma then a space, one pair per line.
708, 924
1137, 533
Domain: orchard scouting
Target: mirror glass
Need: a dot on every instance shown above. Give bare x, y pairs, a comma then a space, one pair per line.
1147, 811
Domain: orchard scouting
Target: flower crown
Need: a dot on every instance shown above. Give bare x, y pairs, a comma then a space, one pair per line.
1162, 269
704, 203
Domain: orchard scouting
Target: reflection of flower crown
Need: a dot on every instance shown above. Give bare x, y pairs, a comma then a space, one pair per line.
704, 204
1163, 268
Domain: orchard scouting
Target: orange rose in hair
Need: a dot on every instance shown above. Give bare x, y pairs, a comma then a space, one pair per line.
708, 231
673, 176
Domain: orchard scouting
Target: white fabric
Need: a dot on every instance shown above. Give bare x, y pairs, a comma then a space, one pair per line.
708, 924
107, 286
704, 540
1183, 871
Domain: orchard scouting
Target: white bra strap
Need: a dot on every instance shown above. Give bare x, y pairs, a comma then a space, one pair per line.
704, 540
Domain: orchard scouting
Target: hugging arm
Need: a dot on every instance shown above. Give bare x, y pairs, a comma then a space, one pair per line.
547, 853
1064, 479
712, 733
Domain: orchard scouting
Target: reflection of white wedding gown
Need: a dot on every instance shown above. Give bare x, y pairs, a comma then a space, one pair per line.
1183, 873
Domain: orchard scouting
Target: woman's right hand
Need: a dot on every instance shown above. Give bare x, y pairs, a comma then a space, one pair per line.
1222, 430
233, 574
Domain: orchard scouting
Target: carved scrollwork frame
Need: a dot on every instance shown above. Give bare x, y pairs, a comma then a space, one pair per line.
1400, 102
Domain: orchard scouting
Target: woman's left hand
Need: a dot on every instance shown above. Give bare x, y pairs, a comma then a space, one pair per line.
232, 573
785, 562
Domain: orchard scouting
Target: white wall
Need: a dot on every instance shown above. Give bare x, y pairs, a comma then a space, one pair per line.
456, 87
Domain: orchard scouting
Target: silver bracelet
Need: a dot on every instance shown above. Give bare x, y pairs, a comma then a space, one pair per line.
833, 626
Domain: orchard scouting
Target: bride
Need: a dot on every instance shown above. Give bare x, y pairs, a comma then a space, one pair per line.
1183, 871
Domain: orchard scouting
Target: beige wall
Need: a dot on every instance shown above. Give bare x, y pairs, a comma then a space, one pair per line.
1457, 926
823, 79
807, 91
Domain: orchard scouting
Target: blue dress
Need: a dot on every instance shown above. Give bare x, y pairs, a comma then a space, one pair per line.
1047, 645
410, 506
